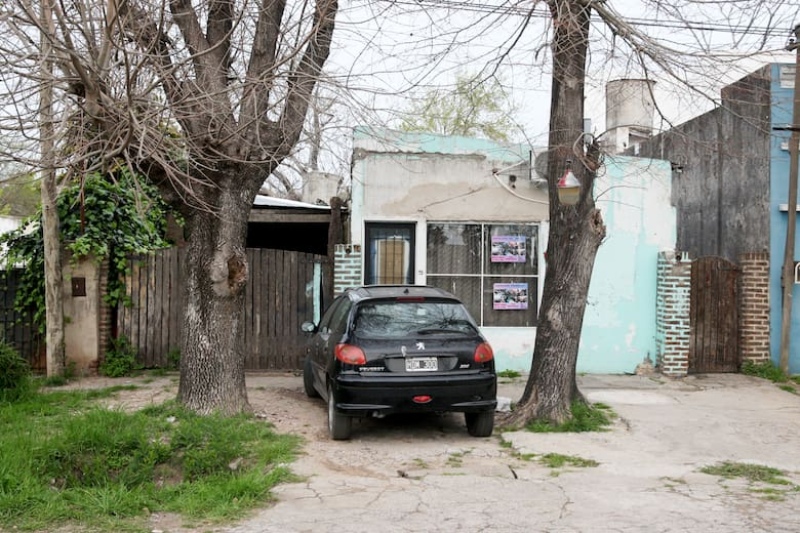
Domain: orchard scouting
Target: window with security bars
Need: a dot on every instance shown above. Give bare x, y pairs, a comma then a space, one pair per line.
389, 254
492, 268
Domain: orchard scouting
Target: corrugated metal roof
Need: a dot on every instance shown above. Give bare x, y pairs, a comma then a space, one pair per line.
271, 201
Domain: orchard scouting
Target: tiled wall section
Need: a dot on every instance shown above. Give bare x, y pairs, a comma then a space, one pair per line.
347, 269
672, 313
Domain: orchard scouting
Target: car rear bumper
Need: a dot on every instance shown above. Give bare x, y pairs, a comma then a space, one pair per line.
359, 395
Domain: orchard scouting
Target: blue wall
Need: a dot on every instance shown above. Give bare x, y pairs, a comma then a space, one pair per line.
779, 192
619, 327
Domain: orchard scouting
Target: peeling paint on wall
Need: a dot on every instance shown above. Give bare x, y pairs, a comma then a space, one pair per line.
619, 325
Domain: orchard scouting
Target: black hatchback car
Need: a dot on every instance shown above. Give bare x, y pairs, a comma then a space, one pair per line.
386, 349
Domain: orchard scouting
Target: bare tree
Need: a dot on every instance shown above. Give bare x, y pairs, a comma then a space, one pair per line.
319, 148
688, 46
576, 232
205, 98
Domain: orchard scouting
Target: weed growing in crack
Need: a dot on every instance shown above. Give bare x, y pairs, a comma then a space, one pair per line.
557, 460
751, 472
456, 459
755, 474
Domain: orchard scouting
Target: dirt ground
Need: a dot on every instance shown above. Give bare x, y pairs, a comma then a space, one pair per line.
380, 449
428, 475
279, 399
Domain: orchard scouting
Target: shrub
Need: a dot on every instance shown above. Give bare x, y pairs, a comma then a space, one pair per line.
765, 370
15, 374
174, 359
120, 359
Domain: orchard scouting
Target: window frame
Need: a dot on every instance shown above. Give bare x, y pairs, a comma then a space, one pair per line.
404, 229
488, 271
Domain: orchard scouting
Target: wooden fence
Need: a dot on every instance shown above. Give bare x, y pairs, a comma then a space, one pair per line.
16, 327
283, 290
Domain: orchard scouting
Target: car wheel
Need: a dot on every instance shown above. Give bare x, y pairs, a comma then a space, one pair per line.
308, 379
480, 424
339, 425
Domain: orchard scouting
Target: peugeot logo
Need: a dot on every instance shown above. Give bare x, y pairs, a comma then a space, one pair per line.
420, 346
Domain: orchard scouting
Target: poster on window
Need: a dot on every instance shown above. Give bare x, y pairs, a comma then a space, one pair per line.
508, 249
510, 296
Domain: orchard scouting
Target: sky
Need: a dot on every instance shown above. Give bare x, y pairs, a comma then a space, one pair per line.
387, 52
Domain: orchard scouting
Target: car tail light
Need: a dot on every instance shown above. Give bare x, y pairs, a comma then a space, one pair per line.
350, 355
423, 398
483, 353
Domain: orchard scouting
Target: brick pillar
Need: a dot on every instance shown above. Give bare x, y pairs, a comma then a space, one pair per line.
754, 307
672, 313
106, 325
346, 268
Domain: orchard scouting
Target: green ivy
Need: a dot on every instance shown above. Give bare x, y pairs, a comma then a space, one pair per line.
120, 359
122, 215
15, 374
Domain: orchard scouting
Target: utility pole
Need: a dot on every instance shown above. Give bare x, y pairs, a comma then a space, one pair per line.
787, 278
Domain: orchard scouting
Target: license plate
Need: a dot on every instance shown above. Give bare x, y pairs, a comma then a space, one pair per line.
422, 364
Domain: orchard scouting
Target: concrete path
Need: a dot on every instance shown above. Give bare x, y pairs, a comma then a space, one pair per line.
430, 476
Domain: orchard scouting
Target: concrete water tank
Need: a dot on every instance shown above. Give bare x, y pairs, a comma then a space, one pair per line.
629, 112
320, 187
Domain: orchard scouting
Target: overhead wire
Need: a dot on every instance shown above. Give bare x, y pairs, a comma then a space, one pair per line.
524, 11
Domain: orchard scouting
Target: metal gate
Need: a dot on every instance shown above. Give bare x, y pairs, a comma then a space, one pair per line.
714, 316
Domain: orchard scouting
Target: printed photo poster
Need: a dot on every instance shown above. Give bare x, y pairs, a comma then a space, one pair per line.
510, 296
508, 249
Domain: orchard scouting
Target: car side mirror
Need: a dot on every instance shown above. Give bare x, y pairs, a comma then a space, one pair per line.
308, 327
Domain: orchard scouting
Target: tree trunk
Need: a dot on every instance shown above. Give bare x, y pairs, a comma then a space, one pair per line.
53, 280
575, 231
212, 377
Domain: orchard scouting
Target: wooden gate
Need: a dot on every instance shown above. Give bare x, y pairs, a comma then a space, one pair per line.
283, 290
714, 316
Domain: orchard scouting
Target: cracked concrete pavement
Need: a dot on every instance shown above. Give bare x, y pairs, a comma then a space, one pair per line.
402, 475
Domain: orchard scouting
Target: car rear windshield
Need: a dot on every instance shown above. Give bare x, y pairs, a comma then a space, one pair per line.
399, 318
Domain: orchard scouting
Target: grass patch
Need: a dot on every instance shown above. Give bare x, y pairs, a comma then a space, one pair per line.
509, 374
67, 461
751, 472
770, 494
420, 463
765, 370
769, 483
456, 459
557, 460
585, 417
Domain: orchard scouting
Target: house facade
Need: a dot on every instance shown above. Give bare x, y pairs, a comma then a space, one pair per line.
471, 216
730, 190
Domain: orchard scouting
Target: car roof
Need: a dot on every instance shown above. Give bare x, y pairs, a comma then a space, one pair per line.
394, 291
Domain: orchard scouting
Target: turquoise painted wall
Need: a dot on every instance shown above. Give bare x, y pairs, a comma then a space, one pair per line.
619, 327
779, 192
634, 196
430, 143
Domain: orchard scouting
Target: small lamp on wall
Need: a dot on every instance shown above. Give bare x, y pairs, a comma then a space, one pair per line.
569, 188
